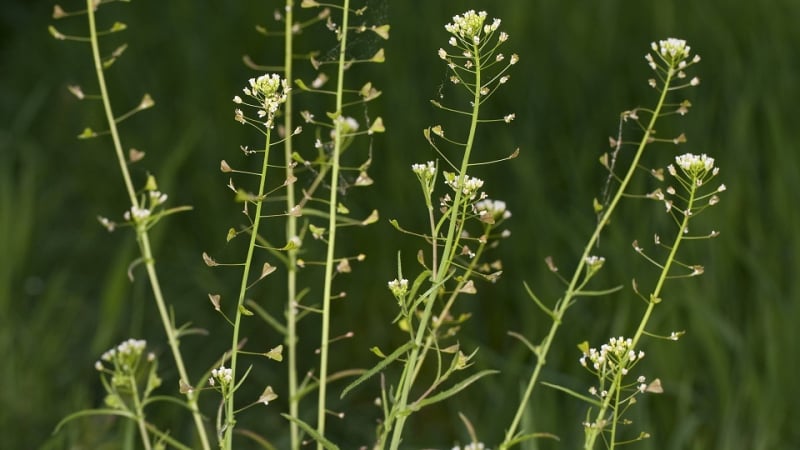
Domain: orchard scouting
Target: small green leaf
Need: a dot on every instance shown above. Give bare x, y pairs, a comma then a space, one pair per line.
378, 367
245, 311
328, 445
231, 234
453, 390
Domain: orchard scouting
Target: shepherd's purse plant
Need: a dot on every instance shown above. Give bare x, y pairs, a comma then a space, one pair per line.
297, 177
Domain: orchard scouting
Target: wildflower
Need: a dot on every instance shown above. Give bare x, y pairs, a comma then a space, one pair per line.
694, 166
270, 91
224, 375
496, 209
467, 185
399, 287
468, 25
594, 263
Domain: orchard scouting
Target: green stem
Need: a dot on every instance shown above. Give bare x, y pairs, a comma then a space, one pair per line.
291, 233
230, 411
654, 300
140, 422
141, 232
569, 294
414, 361
333, 201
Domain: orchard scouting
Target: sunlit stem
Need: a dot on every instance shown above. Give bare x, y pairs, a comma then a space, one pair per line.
142, 236
569, 294
414, 363
230, 411
333, 202
291, 233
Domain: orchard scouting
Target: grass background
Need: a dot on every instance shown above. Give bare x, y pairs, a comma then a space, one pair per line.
64, 296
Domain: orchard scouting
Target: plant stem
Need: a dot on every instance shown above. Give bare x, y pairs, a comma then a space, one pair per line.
414, 362
571, 290
140, 422
654, 300
142, 235
230, 411
291, 233
333, 202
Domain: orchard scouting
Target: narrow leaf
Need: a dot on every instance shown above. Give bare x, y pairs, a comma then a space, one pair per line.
378, 367
328, 445
453, 390
586, 398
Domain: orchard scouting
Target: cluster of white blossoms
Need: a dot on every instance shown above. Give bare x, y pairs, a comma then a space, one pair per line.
469, 26
125, 355
424, 171
696, 170
471, 446
224, 375
474, 42
496, 209
399, 287
617, 354
696, 164
270, 91
469, 186
674, 54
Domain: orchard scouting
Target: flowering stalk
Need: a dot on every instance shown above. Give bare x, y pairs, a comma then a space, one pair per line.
478, 52
673, 57
269, 92
140, 216
693, 173
332, 225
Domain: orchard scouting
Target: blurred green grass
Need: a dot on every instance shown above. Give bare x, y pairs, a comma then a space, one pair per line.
729, 383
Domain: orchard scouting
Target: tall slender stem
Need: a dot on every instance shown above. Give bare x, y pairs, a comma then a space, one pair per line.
230, 410
414, 361
333, 202
291, 232
141, 232
569, 294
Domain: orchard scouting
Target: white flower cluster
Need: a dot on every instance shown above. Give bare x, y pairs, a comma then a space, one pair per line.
136, 213
468, 186
695, 163
471, 446
469, 26
672, 48
674, 53
618, 353
399, 287
496, 209
425, 171
129, 347
224, 375
269, 91
125, 355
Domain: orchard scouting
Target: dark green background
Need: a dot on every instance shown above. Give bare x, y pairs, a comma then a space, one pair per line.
64, 298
